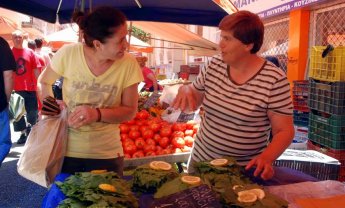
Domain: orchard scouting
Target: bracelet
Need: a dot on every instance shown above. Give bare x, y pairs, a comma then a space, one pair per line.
99, 114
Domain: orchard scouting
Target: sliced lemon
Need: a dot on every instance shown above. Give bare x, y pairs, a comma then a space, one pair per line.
98, 171
258, 192
246, 197
107, 187
192, 180
160, 165
219, 162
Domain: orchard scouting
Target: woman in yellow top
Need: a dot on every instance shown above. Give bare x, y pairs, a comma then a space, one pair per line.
99, 90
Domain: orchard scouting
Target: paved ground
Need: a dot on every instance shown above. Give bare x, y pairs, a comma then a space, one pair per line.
16, 191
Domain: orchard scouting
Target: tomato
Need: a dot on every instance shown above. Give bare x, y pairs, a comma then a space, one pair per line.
129, 148
143, 128
155, 127
148, 134
124, 137
140, 143
177, 134
127, 141
159, 148
166, 151
190, 124
177, 150
150, 141
134, 128
124, 128
196, 128
150, 153
140, 122
159, 151
189, 141
131, 122
189, 132
156, 137
179, 127
138, 154
142, 115
178, 142
126, 155
164, 142
134, 134
186, 149
149, 147
165, 131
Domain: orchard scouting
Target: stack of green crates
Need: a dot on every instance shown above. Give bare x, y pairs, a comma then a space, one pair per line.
327, 102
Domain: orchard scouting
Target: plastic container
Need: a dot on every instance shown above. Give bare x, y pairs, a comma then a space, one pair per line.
331, 67
300, 118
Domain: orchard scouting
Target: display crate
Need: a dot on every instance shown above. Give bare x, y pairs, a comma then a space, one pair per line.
300, 94
337, 154
327, 123
331, 67
327, 97
310, 162
300, 118
171, 158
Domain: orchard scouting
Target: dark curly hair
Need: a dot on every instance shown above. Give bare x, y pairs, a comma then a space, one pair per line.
100, 24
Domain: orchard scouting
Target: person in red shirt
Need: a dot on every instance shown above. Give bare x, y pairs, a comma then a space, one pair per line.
149, 77
25, 84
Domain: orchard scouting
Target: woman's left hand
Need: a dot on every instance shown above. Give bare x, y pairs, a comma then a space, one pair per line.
263, 167
82, 115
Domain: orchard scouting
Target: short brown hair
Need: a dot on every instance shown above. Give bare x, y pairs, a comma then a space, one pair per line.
246, 27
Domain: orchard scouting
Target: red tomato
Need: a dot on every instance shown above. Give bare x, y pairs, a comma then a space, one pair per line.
127, 155
138, 154
131, 122
196, 128
177, 134
159, 151
179, 127
190, 124
165, 132
140, 122
134, 128
150, 141
134, 134
124, 137
156, 137
149, 147
127, 141
189, 132
155, 127
150, 153
166, 151
140, 143
189, 141
158, 148
178, 142
148, 134
164, 142
142, 115
129, 148
124, 128
143, 128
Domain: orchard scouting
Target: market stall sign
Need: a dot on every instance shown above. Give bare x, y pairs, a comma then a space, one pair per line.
266, 8
197, 197
151, 100
184, 117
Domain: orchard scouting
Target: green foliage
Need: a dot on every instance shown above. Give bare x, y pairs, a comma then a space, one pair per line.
140, 34
82, 190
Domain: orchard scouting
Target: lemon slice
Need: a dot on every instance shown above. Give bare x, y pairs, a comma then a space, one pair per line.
107, 187
192, 180
246, 197
258, 192
98, 171
160, 165
219, 162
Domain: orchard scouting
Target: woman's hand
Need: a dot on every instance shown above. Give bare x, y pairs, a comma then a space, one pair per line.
263, 167
185, 99
82, 115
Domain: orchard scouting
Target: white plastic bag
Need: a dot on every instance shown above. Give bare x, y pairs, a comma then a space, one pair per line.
44, 150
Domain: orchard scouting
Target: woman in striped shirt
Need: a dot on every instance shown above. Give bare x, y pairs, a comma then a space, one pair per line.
244, 97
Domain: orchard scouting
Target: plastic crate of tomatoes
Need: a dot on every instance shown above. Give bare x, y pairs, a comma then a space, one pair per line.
147, 136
